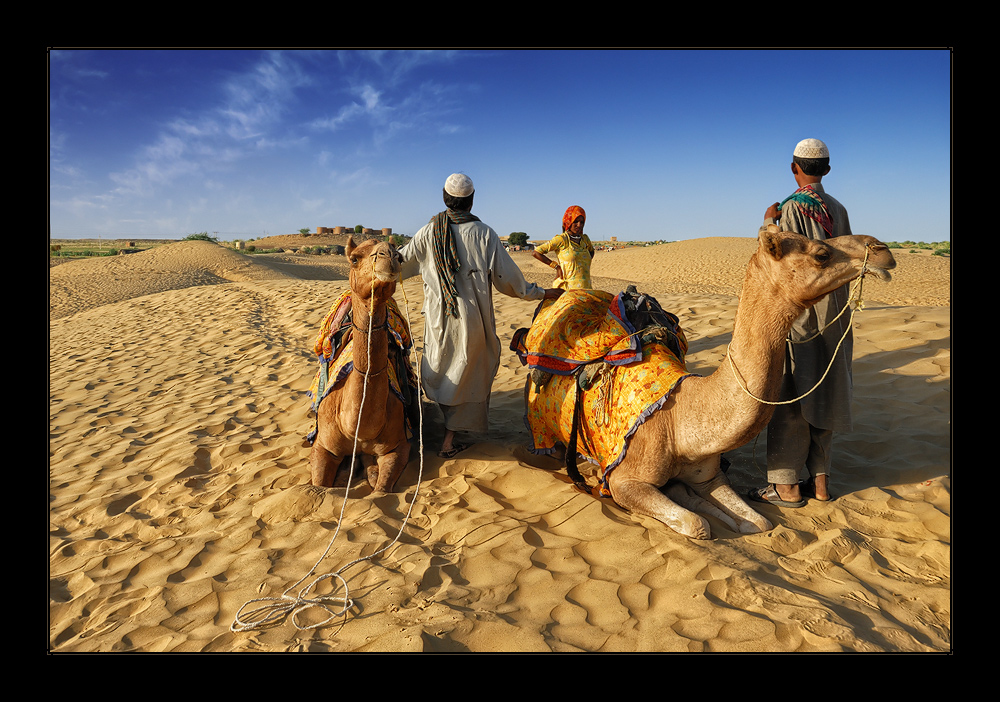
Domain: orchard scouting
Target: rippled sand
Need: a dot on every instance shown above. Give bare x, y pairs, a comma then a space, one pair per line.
179, 492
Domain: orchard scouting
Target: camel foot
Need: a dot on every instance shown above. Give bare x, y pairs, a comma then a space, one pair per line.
757, 524
738, 514
385, 470
645, 498
680, 494
372, 474
689, 524
322, 466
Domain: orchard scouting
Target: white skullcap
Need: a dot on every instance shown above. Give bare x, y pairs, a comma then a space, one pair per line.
459, 185
811, 148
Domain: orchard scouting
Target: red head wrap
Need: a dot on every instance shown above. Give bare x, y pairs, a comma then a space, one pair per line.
571, 214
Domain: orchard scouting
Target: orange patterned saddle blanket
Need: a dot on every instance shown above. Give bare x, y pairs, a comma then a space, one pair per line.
604, 360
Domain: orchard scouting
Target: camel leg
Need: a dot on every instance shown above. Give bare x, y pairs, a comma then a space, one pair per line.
382, 475
645, 498
717, 491
680, 494
323, 466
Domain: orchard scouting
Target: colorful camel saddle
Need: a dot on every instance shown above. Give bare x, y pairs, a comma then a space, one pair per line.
602, 364
334, 349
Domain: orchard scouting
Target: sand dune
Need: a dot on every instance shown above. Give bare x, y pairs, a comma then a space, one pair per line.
179, 490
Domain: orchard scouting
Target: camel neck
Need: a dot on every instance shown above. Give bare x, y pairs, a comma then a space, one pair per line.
370, 347
760, 330
755, 359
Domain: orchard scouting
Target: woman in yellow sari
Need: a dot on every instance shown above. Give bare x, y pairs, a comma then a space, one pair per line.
573, 252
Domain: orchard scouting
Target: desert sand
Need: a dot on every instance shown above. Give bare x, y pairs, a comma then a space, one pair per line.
179, 484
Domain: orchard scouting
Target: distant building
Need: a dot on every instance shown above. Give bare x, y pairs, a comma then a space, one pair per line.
340, 231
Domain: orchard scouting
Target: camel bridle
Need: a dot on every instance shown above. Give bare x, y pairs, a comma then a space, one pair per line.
854, 300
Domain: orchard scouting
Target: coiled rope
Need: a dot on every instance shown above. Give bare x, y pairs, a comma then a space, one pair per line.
273, 609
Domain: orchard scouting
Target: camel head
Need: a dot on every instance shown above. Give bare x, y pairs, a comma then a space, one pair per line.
805, 270
375, 267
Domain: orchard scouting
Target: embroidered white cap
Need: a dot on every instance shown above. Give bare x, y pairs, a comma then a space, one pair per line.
811, 148
459, 185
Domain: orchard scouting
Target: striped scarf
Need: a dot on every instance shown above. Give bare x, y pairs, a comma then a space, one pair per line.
812, 206
446, 255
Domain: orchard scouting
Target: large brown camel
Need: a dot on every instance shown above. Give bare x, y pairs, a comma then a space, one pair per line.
380, 424
706, 416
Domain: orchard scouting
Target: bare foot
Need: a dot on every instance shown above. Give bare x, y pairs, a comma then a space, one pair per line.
820, 485
449, 441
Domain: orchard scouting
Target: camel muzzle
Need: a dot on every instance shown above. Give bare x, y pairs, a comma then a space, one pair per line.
877, 271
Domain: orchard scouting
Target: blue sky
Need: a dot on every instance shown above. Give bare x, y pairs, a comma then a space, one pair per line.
653, 144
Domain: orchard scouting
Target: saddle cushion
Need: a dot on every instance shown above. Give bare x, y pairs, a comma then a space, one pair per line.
625, 384
578, 327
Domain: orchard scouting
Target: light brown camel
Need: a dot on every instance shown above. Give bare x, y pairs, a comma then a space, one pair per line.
380, 424
706, 416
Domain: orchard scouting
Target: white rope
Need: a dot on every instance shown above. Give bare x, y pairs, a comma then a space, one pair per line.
277, 608
855, 297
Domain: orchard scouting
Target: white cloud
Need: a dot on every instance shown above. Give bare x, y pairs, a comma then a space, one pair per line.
251, 108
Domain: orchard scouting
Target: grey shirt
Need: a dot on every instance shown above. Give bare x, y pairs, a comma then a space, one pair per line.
829, 406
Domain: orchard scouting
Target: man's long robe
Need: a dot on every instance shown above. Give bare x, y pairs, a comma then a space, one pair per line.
461, 354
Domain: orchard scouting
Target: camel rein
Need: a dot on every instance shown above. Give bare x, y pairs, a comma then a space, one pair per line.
855, 300
277, 608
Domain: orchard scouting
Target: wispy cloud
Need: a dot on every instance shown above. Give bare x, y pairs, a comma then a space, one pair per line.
397, 66
386, 100
249, 117
261, 98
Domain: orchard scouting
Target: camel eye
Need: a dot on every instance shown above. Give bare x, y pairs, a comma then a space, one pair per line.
822, 256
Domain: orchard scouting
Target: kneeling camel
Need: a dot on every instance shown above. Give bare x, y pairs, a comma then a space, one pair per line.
704, 417
380, 424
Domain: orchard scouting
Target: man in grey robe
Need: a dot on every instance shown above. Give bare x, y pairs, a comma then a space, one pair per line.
461, 260
801, 434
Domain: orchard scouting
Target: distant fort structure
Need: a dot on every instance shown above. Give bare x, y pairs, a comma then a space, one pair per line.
340, 231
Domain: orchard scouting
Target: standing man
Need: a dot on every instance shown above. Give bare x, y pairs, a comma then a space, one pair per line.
801, 434
461, 260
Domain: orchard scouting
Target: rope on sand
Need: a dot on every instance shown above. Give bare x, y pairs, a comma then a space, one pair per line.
276, 608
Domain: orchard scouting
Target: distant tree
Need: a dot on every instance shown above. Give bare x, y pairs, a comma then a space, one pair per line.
397, 240
358, 229
304, 230
517, 239
201, 236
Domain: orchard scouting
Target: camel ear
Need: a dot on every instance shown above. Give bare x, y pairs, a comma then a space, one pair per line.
350, 246
770, 240
778, 243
